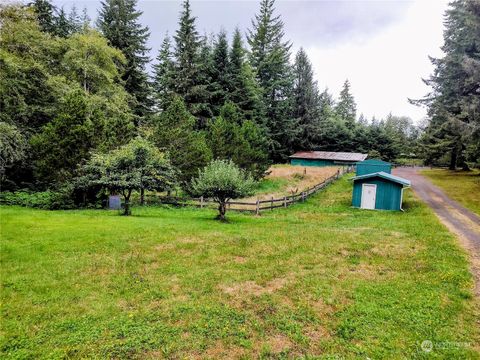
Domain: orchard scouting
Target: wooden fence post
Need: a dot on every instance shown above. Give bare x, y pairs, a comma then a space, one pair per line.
271, 204
201, 202
303, 196
257, 210
285, 201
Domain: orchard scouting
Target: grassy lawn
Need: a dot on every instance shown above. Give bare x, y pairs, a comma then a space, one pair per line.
319, 278
461, 186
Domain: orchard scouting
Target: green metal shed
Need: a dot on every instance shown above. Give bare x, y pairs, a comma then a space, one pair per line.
325, 158
371, 166
380, 190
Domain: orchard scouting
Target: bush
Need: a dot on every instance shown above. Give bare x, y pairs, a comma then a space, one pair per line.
48, 200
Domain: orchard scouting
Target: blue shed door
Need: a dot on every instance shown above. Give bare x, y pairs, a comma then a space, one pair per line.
369, 195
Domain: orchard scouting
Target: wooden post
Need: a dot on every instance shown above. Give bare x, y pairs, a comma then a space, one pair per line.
201, 201
257, 210
303, 196
338, 173
271, 204
304, 171
285, 201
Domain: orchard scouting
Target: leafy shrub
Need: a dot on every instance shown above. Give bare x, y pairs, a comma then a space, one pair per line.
49, 200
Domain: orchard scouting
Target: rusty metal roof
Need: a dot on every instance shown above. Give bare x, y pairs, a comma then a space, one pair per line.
329, 155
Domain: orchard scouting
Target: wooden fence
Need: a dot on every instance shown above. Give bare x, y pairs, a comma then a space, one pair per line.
257, 206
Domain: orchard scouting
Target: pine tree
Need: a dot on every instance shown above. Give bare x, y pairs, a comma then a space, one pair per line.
270, 59
346, 107
74, 20
191, 57
85, 19
220, 77
119, 22
454, 103
306, 100
63, 27
164, 76
45, 12
245, 91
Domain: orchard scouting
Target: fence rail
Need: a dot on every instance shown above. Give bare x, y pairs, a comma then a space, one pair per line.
255, 207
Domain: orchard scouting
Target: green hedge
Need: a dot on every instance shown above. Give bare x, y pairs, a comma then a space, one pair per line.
50, 200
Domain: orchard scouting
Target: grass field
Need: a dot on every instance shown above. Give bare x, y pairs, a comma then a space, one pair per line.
319, 278
461, 186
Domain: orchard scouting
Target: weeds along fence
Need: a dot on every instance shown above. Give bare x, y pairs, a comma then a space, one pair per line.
254, 207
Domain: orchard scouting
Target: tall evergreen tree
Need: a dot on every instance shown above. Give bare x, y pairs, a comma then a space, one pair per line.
191, 54
74, 20
270, 58
454, 103
119, 22
220, 77
63, 27
346, 107
306, 100
164, 76
245, 91
45, 12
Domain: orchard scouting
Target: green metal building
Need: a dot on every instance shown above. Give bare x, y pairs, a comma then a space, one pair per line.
371, 166
325, 158
379, 190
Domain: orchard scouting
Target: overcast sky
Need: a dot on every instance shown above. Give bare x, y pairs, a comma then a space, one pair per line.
382, 47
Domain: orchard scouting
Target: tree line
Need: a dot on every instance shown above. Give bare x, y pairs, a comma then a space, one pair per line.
71, 89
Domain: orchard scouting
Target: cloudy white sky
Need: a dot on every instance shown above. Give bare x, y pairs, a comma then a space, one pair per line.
382, 47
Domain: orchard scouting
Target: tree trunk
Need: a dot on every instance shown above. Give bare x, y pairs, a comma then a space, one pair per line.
222, 209
126, 195
142, 196
453, 159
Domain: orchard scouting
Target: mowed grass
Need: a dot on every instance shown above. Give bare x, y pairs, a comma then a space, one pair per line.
462, 186
317, 279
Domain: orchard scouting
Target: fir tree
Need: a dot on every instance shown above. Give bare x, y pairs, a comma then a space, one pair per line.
63, 27
346, 107
245, 91
164, 76
306, 100
454, 103
119, 22
191, 67
45, 12
270, 59
74, 20
220, 78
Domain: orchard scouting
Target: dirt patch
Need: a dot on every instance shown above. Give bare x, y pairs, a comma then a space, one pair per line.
278, 343
252, 288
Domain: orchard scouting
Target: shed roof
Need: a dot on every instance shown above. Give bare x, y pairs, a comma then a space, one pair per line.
386, 176
329, 155
373, 162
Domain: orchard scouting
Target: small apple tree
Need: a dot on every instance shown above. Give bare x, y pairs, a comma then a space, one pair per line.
222, 181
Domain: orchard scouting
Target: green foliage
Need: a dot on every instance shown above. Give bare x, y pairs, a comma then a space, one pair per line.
136, 165
306, 101
119, 22
346, 107
222, 180
13, 147
454, 102
175, 133
163, 80
91, 62
48, 200
242, 141
270, 58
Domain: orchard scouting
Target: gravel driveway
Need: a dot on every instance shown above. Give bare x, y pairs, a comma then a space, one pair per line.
459, 220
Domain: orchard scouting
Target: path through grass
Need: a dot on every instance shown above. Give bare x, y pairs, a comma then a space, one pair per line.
319, 278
